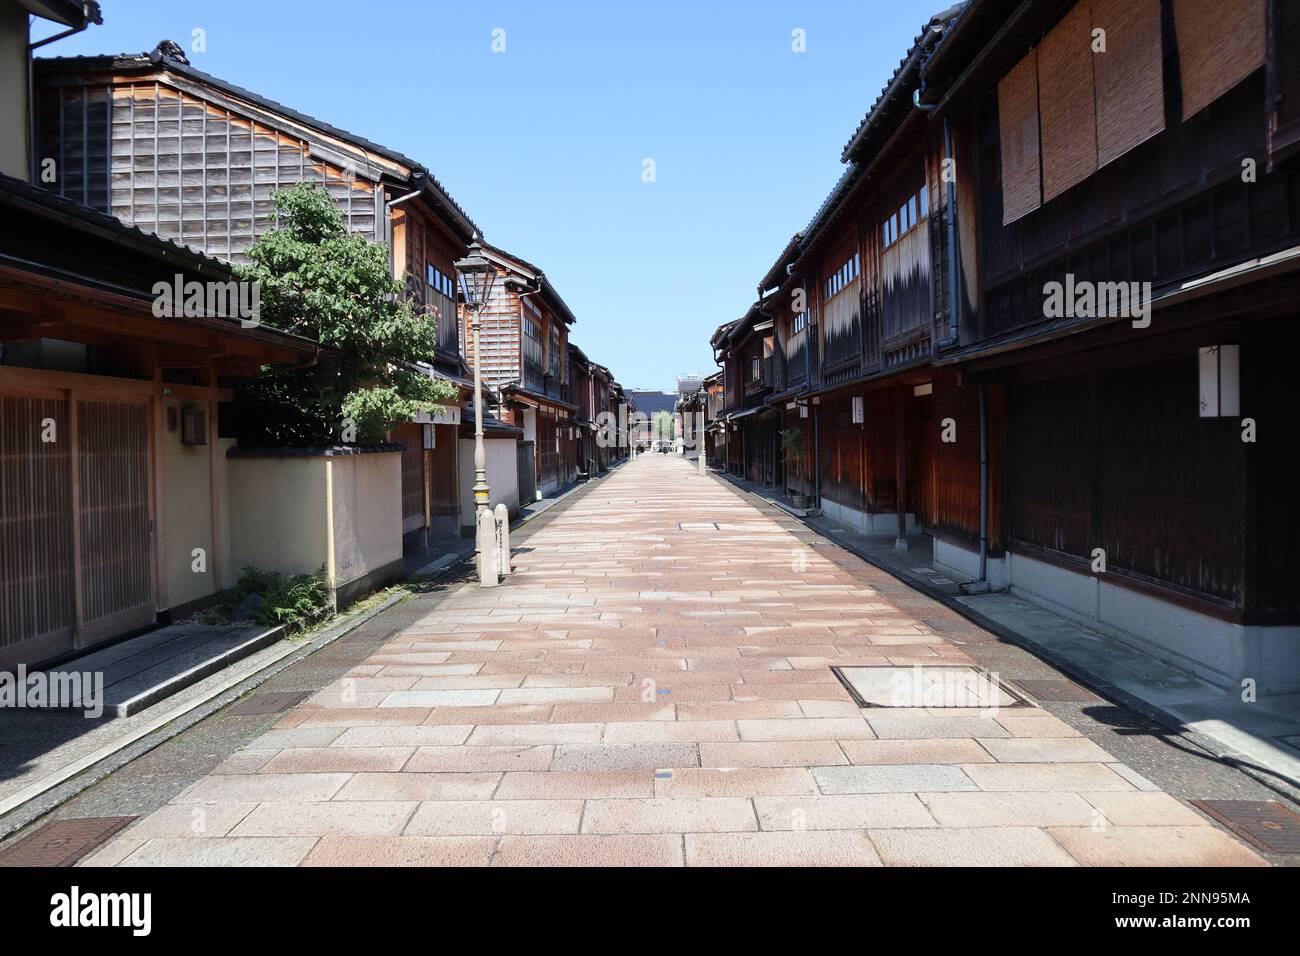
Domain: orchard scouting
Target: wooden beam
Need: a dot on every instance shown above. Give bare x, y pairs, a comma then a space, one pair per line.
214, 484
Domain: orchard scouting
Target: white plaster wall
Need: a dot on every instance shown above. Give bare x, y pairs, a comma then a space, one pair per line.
367, 495
278, 513
865, 523
502, 476
1219, 651
964, 563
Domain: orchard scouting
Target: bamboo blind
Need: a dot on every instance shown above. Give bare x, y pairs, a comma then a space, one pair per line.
1129, 83
1066, 102
1018, 123
1219, 45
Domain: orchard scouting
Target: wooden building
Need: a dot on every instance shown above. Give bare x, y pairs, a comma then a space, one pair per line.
1150, 437
192, 158
524, 343
114, 510
1042, 317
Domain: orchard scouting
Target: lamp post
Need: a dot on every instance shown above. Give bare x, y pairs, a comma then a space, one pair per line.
477, 276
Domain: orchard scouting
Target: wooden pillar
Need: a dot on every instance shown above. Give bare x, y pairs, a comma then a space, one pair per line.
74, 513
900, 465
214, 475
159, 440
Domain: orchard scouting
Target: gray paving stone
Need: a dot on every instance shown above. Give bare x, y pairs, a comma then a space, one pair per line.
893, 778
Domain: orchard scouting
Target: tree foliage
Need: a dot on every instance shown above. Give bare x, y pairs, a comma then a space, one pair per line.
321, 282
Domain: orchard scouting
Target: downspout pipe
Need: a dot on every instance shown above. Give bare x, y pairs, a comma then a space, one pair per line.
984, 482
34, 159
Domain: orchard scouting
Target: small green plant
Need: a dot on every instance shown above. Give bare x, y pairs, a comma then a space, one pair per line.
285, 598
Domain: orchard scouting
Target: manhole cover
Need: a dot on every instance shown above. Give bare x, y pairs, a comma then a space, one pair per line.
921, 686
1057, 690
62, 842
271, 703
1265, 823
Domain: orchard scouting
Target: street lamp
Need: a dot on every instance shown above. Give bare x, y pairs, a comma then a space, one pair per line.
477, 276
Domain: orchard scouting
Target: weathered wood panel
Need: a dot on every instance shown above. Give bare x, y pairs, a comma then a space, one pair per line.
185, 168
36, 606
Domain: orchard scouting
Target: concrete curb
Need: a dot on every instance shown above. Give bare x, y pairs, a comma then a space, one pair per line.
1103, 688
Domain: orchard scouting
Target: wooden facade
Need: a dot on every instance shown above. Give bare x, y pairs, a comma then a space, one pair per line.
96, 467
194, 159
929, 361
524, 346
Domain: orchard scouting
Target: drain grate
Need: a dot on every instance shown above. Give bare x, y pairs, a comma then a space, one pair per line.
942, 685
62, 842
1265, 823
1066, 690
270, 703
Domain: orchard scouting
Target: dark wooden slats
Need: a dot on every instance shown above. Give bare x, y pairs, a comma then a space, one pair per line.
114, 511
35, 527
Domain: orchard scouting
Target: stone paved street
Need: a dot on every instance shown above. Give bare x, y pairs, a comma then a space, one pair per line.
652, 686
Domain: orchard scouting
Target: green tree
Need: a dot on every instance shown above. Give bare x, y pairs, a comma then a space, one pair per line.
665, 427
319, 281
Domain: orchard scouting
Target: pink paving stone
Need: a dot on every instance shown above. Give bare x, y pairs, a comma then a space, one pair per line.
516, 734
815, 848
612, 713
739, 710
1041, 809
1133, 809
1154, 846
262, 787
842, 812
359, 717
1066, 776
808, 728
802, 753
669, 731
338, 759
925, 750
419, 786
995, 846
520, 714
1046, 750
222, 851
575, 784
686, 815
460, 759
740, 782
589, 850
470, 817
401, 851
372, 818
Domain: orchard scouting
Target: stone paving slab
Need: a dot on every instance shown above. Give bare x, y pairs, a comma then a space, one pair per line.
646, 690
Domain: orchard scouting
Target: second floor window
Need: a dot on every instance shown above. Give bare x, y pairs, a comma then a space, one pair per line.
841, 278
905, 218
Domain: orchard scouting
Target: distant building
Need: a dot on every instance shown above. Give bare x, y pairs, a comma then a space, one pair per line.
689, 383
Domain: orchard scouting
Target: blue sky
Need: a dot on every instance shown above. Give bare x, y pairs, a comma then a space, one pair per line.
543, 144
